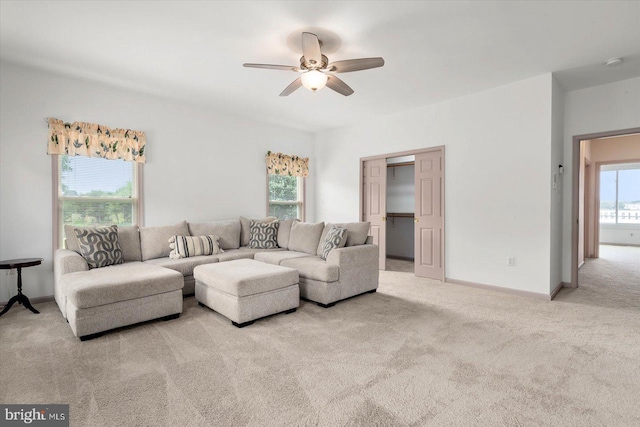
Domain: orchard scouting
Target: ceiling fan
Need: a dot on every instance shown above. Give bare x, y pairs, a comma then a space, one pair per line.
316, 69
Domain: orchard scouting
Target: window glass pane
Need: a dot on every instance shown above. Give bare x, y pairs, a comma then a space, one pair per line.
629, 196
90, 189
283, 188
95, 177
288, 211
607, 197
92, 213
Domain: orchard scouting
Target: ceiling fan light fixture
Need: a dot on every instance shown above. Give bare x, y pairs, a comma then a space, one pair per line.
314, 80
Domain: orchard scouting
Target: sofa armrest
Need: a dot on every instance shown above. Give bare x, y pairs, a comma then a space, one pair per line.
68, 261
359, 269
353, 256
65, 261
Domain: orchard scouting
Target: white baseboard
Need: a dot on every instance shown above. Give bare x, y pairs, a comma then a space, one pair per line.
518, 292
556, 290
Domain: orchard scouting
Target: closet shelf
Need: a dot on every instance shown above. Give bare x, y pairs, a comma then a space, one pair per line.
395, 165
400, 215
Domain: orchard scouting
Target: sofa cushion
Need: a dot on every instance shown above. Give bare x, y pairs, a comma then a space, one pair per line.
277, 257
189, 246
314, 268
305, 237
255, 251
116, 283
128, 237
99, 246
228, 231
357, 232
335, 238
154, 241
264, 235
233, 254
184, 266
245, 228
284, 232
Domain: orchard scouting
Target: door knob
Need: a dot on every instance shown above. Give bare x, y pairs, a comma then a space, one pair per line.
384, 218
415, 220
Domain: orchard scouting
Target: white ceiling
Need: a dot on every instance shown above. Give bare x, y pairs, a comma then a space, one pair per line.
194, 51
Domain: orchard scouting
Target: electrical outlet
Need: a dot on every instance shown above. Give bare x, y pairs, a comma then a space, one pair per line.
511, 261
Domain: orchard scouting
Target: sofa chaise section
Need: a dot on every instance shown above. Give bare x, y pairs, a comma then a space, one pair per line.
105, 298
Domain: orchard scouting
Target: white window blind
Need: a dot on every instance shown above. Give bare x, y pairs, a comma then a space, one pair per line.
94, 191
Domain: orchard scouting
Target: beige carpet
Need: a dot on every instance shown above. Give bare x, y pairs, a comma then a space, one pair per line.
418, 352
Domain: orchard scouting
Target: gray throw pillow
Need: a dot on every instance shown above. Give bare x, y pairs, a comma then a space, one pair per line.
328, 227
264, 235
128, 238
99, 246
332, 240
245, 228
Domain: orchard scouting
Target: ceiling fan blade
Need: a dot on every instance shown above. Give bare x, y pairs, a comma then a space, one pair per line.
272, 67
311, 49
339, 86
295, 85
355, 65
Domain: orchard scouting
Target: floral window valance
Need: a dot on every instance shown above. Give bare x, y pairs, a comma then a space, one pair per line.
92, 140
283, 164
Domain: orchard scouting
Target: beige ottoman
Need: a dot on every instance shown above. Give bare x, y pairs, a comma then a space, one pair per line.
245, 290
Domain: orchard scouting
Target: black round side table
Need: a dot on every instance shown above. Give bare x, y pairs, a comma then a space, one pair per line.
19, 264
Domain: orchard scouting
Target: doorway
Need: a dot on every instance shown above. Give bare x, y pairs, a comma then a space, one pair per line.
401, 183
385, 204
606, 184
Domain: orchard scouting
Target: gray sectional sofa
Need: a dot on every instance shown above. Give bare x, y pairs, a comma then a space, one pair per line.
150, 285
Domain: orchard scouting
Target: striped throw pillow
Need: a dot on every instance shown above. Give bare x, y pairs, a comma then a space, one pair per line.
188, 246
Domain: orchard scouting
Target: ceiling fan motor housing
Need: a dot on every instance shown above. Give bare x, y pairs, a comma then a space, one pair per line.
308, 65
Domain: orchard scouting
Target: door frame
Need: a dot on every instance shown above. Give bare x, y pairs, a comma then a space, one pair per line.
409, 153
575, 179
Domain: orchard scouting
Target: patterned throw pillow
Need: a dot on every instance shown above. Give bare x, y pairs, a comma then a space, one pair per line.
264, 235
187, 246
99, 246
334, 237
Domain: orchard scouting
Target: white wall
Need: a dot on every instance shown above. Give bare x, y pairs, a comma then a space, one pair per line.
201, 165
597, 109
557, 159
620, 234
498, 157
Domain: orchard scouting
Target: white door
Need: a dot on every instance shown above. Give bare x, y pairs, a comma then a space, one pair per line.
429, 215
374, 202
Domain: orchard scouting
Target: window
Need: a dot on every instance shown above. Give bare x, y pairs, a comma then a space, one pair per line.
93, 191
620, 194
286, 197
